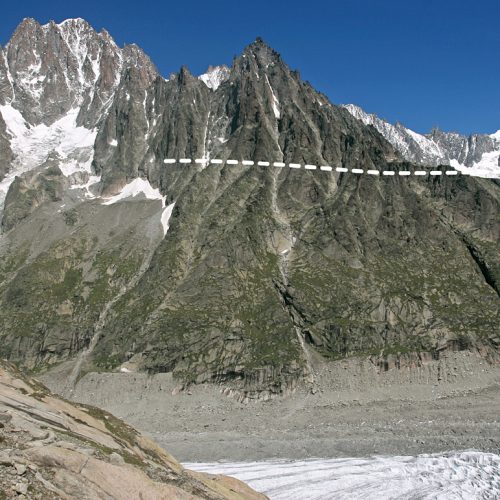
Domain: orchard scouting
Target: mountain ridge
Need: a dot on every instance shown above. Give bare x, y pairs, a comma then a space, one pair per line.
477, 154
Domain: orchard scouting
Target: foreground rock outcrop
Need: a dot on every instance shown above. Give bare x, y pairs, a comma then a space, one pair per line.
50, 448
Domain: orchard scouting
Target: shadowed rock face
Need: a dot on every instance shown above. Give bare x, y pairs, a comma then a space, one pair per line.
26, 193
262, 269
55, 449
5, 150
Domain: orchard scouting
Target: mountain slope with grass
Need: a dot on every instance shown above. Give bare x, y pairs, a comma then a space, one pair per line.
242, 275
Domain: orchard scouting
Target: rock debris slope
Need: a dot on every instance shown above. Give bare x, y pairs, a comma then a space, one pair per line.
263, 270
54, 449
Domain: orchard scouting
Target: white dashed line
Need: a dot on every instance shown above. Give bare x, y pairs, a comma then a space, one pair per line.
326, 168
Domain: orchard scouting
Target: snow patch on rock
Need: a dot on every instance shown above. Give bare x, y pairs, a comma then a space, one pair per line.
137, 187
215, 76
275, 103
32, 145
142, 188
165, 217
487, 166
86, 186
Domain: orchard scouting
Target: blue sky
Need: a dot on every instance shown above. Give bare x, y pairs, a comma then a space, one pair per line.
425, 63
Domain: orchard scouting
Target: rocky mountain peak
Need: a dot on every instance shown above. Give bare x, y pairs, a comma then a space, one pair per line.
75, 22
260, 45
27, 25
263, 54
135, 58
185, 75
75, 32
48, 70
52, 68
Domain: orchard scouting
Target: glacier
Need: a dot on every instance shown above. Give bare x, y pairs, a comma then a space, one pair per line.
32, 145
455, 475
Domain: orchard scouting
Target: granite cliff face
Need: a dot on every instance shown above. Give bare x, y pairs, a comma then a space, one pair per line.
240, 275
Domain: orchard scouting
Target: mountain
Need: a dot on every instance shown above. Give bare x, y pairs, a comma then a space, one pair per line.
55, 449
57, 82
477, 154
115, 255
